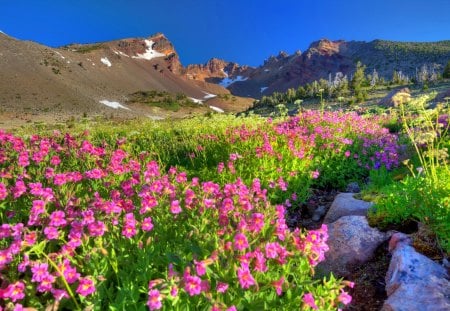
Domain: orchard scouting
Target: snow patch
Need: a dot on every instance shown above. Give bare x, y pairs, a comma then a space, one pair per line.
120, 53
224, 72
197, 101
226, 82
266, 70
60, 55
217, 109
264, 88
106, 61
114, 105
208, 95
150, 53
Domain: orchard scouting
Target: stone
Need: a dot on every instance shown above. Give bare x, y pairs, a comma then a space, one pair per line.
319, 212
413, 281
396, 97
346, 205
353, 187
352, 242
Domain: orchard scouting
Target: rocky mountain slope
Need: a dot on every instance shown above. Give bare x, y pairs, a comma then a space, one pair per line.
322, 60
99, 78
102, 77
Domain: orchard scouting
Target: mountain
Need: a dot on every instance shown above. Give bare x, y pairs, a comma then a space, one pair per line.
322, 60
143, 77
93, 79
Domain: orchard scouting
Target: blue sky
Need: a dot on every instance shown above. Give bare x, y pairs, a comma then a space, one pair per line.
244, 31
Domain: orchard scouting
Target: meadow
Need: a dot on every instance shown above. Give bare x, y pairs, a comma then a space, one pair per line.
191, 214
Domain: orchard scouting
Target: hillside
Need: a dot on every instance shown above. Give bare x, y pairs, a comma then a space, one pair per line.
39, 82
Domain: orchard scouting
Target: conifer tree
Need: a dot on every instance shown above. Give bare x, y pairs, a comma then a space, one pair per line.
357, 83
446, 73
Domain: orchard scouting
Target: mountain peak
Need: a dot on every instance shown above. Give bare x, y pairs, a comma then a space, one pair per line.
326, 47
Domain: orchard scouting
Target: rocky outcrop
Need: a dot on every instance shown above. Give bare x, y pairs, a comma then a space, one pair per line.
345, 205
414, 282
352, 242
216, 69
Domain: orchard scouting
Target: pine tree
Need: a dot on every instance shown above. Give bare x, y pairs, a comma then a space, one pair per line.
446, 73
357, 83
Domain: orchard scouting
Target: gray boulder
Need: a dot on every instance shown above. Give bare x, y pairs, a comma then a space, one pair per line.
414, 282
346, 205
352, 242
396, 97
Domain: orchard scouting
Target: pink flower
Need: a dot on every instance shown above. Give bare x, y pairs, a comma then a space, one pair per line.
347, 154
96, 228
175, 207
279, 286
308, 299
154, 300
315, 174
39, 271
69, 272
147, 224
46, 283
85, 287
15, 291
245, 277
3, 191
240, 242
200, 267
345, 298
221, 287
272, 250
57, 218
257, 222
51, 233
193, 285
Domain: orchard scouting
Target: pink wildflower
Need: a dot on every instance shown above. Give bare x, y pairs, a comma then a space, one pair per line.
240, 242
46, 283
147, 224
192, 285
154, 300
200, 267
278, 286
85, 287
96, 228
175, 207
39, 270
15, 291
308, 299
221, 287
345, 298
315, 174
57, 219
272, 250
3, 191
51, 233
245, 277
